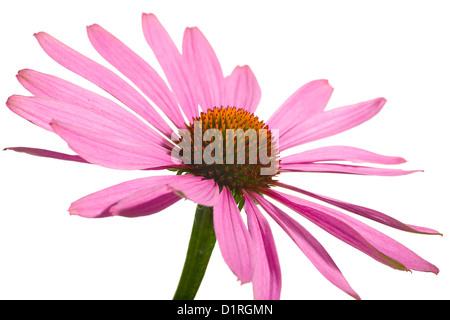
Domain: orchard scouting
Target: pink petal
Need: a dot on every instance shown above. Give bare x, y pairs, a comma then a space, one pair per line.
242, 89
48, 86
206, 73
267, 274
155, 198
113, 134
365, 212
307, 101
145, 196
172, 64
332, 122
102, 77
111, 151
233, 237
313, 250
342, 168
340, 153
98, 204
144, 202
197, 189
137, 70
41, 111
357, 234
48, 154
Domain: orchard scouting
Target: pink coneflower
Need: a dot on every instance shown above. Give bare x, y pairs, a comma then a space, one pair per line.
199, 99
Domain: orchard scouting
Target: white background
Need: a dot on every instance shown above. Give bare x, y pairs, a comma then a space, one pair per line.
366, 49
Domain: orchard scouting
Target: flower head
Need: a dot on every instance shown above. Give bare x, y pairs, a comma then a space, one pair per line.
224, 156
241, 152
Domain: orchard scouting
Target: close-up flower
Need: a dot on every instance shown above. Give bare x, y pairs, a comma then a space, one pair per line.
202, 127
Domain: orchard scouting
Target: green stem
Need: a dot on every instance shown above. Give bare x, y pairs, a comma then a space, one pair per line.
199, 251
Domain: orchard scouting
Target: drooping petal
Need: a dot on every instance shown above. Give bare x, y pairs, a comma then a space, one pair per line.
310, 99
102, 77
332, 122
313, 250
233, 237
340, 153
144, 202
267, 274
242, 89
98, 204
205, 69
144, 196
48, 86
155, 198
342, 168
195, 188
364, 212
48, 154
357, 234
172, 64
137, 70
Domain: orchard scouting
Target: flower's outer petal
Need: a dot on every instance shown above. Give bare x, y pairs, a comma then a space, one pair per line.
48, 154
108, 132
309, 100
48, 86
155, 198
233, 237
357, 234
313, 250
109, 150
267, 274
340, 153
144, 202
102, 77
197, 189
342, 168
336, 227
242, 89
57, 155
172, 64
204, 67
41, 111
98, 204
332, 122
145, 196
137, 70
364, 212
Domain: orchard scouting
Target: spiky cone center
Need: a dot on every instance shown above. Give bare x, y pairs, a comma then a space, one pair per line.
232, 147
